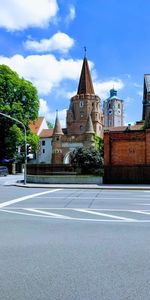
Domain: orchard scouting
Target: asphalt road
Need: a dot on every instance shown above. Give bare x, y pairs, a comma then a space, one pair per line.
74, 244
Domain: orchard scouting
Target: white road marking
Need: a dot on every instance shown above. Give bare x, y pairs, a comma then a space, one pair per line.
22, 213
47, 213
34, 212
143, 203
70, 218
7, 203
105, 215
141, 212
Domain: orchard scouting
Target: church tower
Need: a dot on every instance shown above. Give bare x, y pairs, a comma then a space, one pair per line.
113, 109
146, 100
83, 104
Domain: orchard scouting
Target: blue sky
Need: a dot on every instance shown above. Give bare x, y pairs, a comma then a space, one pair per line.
43, 40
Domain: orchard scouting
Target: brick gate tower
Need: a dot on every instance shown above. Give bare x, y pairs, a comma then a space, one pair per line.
84, 119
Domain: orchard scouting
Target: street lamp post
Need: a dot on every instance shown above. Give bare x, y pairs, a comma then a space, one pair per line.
25, 142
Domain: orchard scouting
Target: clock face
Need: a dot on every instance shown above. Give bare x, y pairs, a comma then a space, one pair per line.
119, 111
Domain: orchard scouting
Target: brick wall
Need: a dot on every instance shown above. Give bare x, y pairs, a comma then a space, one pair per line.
125, 148
127, 156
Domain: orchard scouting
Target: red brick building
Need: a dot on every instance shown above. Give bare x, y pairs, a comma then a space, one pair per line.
84, 119
126, 148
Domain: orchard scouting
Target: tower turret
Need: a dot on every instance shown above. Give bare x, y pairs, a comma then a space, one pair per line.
56, 142
89, 132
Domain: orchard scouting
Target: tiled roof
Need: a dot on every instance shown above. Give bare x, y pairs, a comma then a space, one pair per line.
46, 133
35, 125
85, 82
57, 128
124, 128
89, 125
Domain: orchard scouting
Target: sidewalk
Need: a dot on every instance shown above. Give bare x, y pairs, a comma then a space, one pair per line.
86, 186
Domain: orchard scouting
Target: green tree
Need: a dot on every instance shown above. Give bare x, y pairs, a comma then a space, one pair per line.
49, 124
87, 160
18, 99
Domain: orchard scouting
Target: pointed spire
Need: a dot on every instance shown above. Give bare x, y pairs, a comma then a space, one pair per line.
89, 125
57, 128
85, 82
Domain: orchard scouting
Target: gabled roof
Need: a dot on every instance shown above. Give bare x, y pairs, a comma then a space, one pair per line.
35, 125
46, 133
85, 82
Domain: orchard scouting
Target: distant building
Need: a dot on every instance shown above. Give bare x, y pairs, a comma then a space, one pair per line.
146, 100
44, 152
38, 125
84, 119
113, 110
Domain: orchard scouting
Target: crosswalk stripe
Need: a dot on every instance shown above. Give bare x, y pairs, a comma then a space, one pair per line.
105, 215
47, 213
140, 212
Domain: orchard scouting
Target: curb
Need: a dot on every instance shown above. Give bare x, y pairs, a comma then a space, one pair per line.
77, 186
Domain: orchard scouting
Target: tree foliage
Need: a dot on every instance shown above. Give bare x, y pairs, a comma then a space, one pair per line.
18, 99
87, 160
49, 124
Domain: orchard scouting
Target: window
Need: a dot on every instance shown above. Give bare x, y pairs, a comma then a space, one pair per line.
119, 105
43, 150
43, 143
81, 127
81, 104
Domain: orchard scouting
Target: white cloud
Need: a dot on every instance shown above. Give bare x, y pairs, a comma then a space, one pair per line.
45, 71
71, 15
102, 88
18, 15
51, 115
59, 41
